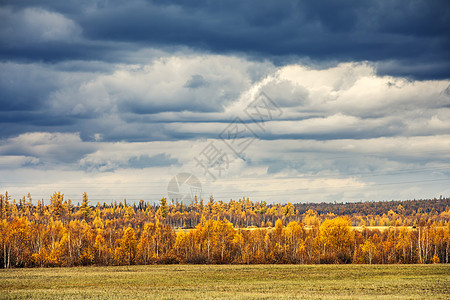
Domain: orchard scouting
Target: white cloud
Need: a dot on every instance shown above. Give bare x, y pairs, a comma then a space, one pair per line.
163, 84
351, 98
355, 89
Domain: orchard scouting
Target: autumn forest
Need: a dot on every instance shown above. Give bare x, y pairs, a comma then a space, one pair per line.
214, 232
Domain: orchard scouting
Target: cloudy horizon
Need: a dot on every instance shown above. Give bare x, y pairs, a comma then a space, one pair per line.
343, 101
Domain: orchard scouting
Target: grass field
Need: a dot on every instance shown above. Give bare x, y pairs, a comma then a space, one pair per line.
230, 281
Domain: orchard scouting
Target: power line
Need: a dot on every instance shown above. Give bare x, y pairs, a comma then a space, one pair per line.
265, 193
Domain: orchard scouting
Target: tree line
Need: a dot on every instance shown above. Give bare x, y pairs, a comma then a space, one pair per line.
62, 234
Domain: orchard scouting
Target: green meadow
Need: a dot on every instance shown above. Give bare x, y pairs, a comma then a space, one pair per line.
229, 282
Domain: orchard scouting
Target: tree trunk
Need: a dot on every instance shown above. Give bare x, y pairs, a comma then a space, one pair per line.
4, 256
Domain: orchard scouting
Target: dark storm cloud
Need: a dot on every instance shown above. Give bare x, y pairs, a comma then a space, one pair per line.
48, 147
23, 88
411, 34
26, 97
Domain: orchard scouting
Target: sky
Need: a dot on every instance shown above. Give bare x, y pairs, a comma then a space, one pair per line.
278, 101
